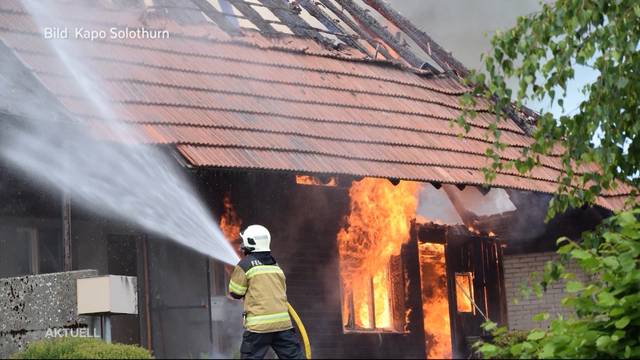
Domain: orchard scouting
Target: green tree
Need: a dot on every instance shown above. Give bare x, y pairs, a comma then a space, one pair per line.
540, 55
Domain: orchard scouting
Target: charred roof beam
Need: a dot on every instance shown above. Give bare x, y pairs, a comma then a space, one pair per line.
297, 25
525, 120
363, 35
373, 25
334, 28
309, 27
443, 58
279, 22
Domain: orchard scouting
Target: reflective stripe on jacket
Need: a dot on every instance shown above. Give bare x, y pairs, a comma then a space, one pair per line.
262, 283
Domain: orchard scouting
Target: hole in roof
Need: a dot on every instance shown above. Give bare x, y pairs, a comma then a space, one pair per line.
348, 30
232, 14
265, 13
333, 38
246, 24
236, 17
282, 28
311, 20
402, 38
216, 4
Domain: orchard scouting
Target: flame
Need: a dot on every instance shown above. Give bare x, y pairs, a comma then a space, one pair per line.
435, 300
230, 222
464, 292
377, 226
492, 234
312, 180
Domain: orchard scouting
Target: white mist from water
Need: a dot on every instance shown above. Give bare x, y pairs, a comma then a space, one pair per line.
138, 184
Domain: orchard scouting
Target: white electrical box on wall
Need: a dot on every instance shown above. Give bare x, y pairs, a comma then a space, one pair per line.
109, 294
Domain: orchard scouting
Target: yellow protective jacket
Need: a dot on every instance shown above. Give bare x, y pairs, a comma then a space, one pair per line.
261, 282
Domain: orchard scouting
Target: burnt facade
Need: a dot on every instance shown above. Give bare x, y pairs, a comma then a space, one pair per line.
183, 308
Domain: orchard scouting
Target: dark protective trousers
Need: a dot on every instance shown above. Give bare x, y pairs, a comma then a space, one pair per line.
285, 344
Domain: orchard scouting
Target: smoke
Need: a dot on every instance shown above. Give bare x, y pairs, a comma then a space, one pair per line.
118, 178
496, 201
525, 226
464, 27
435, 205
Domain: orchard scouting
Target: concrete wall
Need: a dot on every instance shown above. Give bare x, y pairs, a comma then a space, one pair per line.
517, 270
31, 305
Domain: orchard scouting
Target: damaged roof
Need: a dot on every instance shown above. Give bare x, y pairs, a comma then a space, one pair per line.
320, 87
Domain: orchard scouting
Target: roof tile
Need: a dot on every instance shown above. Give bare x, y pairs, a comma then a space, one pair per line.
276, 104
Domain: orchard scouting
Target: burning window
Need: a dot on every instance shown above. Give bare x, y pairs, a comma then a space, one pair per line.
435, 300
330, 181
464, 292
373, 303
370, 243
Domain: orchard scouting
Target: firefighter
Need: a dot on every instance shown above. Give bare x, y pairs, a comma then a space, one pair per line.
261, 283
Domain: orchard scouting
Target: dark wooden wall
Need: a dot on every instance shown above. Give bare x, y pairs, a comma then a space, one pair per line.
481, 255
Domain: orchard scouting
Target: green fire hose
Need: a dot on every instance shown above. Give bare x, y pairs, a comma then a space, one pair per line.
302, 330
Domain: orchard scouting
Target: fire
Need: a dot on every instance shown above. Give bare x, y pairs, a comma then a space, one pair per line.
464, 292
312, 180
377, 227
230, 222
435, 301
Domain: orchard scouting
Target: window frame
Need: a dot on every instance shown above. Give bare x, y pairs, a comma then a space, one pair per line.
396, 307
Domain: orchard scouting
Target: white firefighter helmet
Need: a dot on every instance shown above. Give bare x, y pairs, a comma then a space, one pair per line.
255, 238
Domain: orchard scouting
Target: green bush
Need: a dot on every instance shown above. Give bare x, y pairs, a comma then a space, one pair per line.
500, 341
80, 348
606, 323
510, 338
